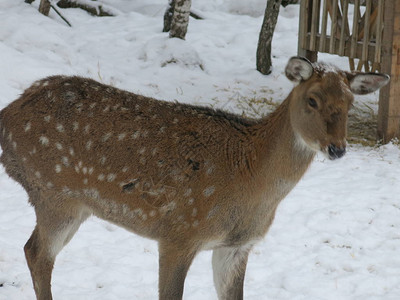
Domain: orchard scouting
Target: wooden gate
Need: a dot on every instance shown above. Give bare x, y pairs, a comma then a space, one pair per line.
368, 33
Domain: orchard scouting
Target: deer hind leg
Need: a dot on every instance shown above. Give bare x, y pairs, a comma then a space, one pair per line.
229, 268
54, 229
174, 262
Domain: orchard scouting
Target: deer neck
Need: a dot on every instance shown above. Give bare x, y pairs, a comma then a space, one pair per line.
282, 158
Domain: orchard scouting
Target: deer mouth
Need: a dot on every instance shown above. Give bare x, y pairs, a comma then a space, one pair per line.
334, 152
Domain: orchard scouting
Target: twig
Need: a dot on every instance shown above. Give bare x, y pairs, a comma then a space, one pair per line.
61, 16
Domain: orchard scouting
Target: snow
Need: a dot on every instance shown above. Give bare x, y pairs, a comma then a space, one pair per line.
337, 234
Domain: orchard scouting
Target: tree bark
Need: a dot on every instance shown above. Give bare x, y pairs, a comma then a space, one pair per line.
264, 61
169, 12
180, 19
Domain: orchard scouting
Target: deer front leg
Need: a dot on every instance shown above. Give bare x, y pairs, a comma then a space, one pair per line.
229, 268
174, 262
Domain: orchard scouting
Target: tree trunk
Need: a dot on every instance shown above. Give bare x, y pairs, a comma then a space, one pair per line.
169, 12
180, 19
44, 7
264, 62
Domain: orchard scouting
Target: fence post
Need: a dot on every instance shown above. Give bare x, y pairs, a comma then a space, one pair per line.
389, 97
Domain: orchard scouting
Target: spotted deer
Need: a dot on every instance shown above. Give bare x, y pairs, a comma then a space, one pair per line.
189, 177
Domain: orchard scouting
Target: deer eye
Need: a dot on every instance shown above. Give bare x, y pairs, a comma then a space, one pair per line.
312, 102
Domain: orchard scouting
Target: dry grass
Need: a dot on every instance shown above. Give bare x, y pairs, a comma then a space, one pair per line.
362, 127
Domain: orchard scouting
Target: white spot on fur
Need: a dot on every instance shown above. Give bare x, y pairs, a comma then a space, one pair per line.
121, 136
106, 136
28, 126
60, 128
101, 177
84, 170
14, 145
188, 192
90, 170
210, 170
37, 174
65, 161
85, 181
71, 151
136, 134
75, 126
47, 118
152, 213
86, 129
191, 201
209, 191
59, 146
58, 168
195, 223
44, 140
169, 207
49, 185
194, 212
33, 151
89, 145
111, 177
79, 106
103, 160
125, 169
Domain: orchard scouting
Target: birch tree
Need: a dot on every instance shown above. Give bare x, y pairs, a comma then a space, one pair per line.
176, 18
264, 61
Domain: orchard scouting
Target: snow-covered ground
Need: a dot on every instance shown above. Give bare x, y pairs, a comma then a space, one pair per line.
336, 236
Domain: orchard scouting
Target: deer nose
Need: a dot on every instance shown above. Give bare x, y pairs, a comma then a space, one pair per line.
336, 152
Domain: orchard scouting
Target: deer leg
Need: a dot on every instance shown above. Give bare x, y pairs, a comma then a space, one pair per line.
229, 268
174, 263
54, 229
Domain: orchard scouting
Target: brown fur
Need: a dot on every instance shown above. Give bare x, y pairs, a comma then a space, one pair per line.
189, 177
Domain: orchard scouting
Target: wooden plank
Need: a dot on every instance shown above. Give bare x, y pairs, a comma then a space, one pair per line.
366, 37
378, 33
324, 25
302, 26
304, 29
314, 24
389, 106
333, 26
344, 27
354, 35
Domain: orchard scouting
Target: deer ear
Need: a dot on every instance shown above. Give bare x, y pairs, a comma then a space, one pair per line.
365, 83
299, 69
